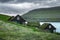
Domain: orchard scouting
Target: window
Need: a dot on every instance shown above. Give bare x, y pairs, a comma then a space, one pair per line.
18, 18
54, 30
49, 26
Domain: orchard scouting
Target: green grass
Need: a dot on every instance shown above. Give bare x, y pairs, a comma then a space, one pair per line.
14, 31
10, 31
4, 17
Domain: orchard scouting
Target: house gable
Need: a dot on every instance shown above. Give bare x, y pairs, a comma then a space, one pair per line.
17, 19
48, 27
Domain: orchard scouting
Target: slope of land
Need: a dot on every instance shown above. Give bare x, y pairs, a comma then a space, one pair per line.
4, 17
10, 31
13, 31
44, 14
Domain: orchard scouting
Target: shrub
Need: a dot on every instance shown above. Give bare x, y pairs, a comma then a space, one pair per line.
33, 24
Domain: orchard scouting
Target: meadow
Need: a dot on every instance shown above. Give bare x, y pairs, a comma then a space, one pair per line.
14, 31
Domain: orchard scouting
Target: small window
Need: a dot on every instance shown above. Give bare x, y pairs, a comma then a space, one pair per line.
49, 26
18, 18
54, 30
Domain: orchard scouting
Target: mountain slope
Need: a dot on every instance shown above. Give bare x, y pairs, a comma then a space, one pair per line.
44, 14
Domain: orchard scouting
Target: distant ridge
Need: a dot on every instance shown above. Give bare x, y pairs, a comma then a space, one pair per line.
50, 8
44, 14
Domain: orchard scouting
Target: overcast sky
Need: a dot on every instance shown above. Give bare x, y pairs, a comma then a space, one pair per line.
13, 7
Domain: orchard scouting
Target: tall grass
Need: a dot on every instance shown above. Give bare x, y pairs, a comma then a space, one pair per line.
9, 31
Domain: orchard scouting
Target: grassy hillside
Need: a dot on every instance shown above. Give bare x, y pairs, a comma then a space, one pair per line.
14, 31
44, 14
4, 17
10, 31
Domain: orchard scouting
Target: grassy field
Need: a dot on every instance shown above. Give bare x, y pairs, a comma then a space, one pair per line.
4, 17
9, 31
14, 31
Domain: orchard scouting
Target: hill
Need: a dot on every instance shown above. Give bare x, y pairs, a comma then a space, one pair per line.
10, 31
4, 17
14, 31
44, 15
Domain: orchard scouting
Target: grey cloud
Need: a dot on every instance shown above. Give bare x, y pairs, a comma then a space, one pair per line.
41, 2
9, 10
28, 0
3, 1
54, 3
20, 1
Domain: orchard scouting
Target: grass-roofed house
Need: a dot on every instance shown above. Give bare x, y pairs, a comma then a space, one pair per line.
48, 27
17, 19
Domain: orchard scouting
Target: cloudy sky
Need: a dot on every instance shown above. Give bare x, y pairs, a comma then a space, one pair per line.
14, 7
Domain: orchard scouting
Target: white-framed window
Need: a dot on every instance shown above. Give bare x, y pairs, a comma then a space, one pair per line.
49, 26
18, 18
